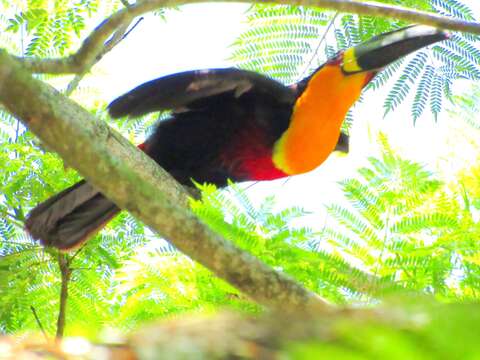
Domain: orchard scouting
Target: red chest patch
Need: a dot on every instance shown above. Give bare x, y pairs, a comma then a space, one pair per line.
249, 156
262, 168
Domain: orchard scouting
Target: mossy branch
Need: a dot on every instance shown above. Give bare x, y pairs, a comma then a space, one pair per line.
136, 183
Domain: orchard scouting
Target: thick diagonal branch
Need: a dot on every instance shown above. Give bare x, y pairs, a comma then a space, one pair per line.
136, 183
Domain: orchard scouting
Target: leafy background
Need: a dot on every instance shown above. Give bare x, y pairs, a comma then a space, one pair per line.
400, 226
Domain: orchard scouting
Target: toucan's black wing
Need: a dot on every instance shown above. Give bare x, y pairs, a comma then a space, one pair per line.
190, 88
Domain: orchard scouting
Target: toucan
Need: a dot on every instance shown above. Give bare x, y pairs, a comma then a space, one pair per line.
233, 124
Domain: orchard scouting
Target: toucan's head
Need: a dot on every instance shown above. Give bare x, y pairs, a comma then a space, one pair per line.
380, 51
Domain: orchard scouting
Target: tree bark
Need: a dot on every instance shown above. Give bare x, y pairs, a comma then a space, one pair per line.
65, 272
136, 183
424, 330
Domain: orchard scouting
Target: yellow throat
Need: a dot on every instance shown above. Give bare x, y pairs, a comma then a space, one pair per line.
316, 120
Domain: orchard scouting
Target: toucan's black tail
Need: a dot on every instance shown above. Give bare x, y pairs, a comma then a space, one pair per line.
67, 219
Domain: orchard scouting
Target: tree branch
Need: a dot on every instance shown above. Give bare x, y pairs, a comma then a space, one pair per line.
360, 333
94, 43
65, 272
415, 328
136, 183
121, 33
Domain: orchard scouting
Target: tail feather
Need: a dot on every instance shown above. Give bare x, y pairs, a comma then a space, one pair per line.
67, 219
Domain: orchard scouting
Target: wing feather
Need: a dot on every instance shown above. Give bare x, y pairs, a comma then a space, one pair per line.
177, 91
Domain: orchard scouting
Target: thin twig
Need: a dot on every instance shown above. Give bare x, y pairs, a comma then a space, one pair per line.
324, 37
117, 37
76, 253
39, 323
22, 49
83, 269
115, 40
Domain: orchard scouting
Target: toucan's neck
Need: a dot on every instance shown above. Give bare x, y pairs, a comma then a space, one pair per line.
317, 118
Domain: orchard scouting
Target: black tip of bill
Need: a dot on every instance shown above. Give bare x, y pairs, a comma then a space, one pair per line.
386, 48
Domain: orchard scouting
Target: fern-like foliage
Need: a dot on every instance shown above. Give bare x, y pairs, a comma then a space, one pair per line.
428, 73
29, 274
279, 40
269, 235
401, 230
467, 106
282, 42
400, 223
52, 27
